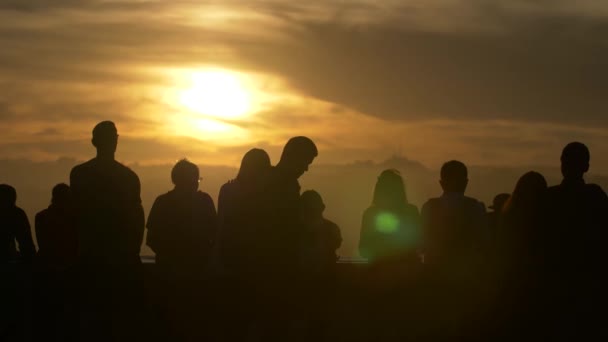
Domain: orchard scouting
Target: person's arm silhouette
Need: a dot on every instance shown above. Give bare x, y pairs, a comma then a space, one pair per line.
155, 223
23, 234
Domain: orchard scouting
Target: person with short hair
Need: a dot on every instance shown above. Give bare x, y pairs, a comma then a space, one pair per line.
181, 230
14, 225
453, 225
56, 230
110, 227
574, 237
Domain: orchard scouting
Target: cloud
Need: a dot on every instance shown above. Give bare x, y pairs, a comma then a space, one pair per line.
492, 83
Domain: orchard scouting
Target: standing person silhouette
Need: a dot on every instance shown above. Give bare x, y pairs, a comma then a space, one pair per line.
110, 226
14, 225
320, 242
454, 238
281, 239
181, 229
15, 300
241, 219
519, 250
494, 217
240, 215
390, 240
390, 227
57, 252
56, 231
577, 217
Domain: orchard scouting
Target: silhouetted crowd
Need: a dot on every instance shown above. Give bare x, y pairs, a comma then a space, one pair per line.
263, 266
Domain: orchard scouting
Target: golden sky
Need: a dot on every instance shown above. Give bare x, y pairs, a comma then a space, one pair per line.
492, 83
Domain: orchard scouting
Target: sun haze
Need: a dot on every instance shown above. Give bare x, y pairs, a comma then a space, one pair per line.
216, 93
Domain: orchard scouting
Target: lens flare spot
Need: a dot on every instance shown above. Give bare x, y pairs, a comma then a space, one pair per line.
387, 223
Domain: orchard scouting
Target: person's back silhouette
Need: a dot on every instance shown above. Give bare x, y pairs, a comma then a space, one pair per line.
390, 226
56, 231
240, 214
454, 225
577, 216
321, 237
181, 229
110, 218
455, 235
518, 251
110, 227
241, 221
281, 237
497, 207
57, 253
14, 225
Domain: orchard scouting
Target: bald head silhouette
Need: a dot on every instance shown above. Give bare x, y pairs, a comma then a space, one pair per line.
105, 139
298, 154
575, 160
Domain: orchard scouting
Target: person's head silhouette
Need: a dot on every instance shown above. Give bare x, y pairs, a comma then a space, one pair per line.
254, 166
390, 190
298, 154
499, 202
528, 191
61, 195
8, 196
454, 177
575, 160
105, 139
312, 205
185, 176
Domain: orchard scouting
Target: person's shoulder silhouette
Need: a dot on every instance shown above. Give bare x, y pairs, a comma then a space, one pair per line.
321, 237
283, 199
391, 225
106, 193
453, 223
55, 229
14, 225
241, 214
182, 222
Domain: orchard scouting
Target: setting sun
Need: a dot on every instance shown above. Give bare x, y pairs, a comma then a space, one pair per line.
216, 93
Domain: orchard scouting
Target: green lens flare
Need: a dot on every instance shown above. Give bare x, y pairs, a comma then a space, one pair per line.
387, 223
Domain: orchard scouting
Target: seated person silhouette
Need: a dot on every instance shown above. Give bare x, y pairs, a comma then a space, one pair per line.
453, 225
181, 229
240, 215
110, 226
56, 231
390, 227
14, 225
575, 235
321, 237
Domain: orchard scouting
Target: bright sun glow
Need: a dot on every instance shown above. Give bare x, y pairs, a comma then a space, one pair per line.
216, 93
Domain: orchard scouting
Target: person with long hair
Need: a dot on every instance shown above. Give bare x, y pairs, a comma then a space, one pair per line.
390, 226
519, 254
241, 217
239, 212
